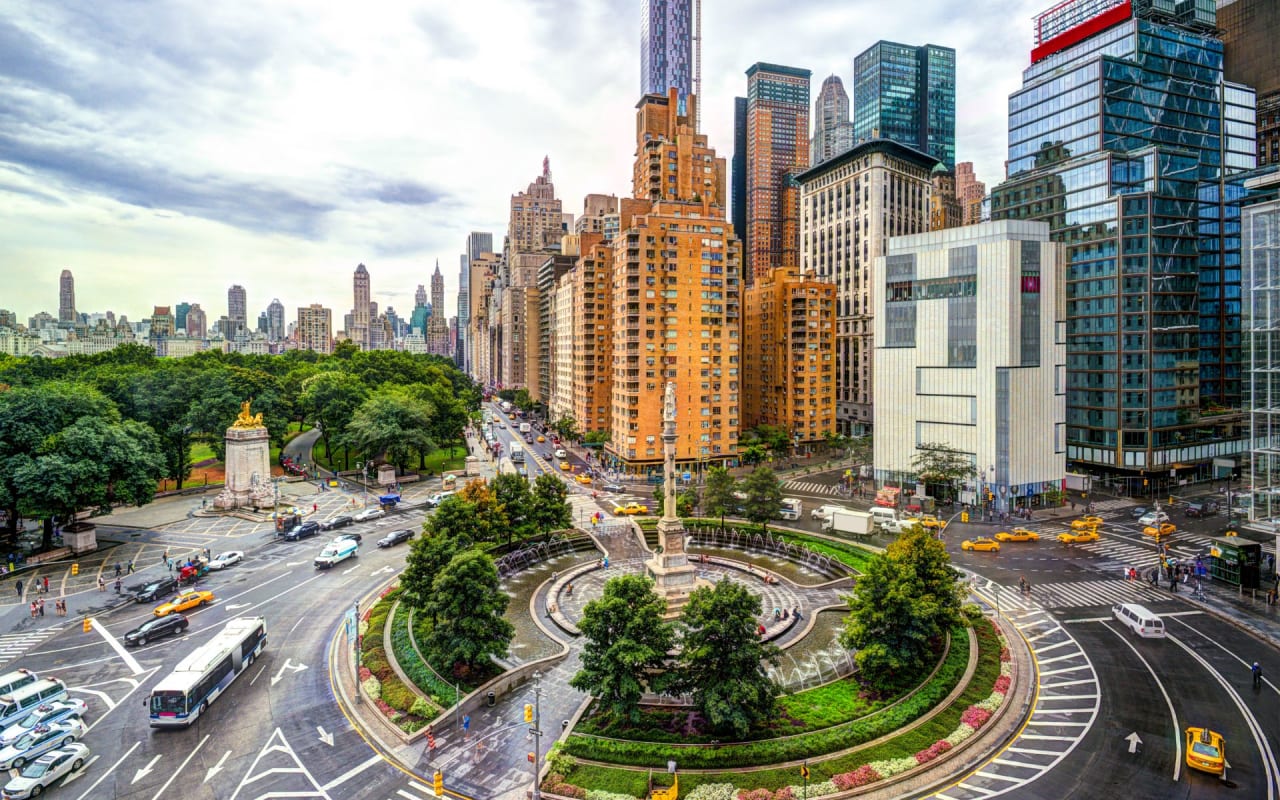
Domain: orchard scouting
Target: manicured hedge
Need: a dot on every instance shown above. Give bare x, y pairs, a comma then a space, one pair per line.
808, 745
441, 693
397, 701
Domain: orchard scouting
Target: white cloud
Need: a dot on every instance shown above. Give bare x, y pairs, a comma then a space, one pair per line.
163, 151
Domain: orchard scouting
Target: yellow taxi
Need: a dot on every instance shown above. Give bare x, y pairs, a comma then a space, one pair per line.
566, 466
929, 521
981, 544
629, 509
1018, 535
1086, 522
1164, 529
1078, 536
1206, 750
583, 479
184, 601
541, 438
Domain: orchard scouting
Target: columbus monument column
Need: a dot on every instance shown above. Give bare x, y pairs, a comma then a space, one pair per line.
673, 576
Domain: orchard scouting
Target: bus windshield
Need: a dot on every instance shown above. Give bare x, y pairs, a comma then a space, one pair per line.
168, 702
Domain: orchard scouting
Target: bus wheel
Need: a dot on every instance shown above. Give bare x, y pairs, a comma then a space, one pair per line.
203, 708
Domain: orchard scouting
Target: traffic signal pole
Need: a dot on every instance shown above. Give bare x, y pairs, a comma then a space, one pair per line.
536, 730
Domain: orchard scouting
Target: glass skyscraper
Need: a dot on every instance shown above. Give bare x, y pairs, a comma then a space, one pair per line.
666, 47
1125, 137
907, 94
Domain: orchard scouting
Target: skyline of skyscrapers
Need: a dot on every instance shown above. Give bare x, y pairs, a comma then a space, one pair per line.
907, 93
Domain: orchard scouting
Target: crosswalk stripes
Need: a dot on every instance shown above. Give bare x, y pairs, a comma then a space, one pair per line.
813, 487
1073, 594
13, 645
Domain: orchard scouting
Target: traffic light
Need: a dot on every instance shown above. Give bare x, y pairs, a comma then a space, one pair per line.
528, 712
88, 624
75, 569
437, 783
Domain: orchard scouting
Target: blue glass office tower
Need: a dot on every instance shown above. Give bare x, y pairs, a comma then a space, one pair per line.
1125, 137
907, 94
666, 47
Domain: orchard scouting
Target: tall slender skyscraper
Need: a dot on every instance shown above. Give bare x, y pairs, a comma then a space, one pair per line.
360, 308
907, 94
275, 320
738, 176
666, 47
478, 242
777, 148
237, 311
66, 298
832, 130
197, 325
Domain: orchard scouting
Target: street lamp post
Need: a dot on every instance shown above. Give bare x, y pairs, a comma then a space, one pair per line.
364, 469
537, 732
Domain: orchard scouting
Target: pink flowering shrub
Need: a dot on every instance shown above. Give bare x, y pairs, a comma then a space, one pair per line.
933, 751
1005, 655
975, 717
365, 674
386, 709
755, 794
784, 793
861, 776
1002, 684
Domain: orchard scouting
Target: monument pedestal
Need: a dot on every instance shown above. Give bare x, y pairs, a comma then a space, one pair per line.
248, 470
80, 538
674, 578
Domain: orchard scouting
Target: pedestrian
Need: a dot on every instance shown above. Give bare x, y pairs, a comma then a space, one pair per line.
164, 559
204, 502
1257, 674
19, 588
34, 610
46, 584
42, 606
118, 569
130, 570
62, 606
119, 585
170, 563
314, 506
102, 584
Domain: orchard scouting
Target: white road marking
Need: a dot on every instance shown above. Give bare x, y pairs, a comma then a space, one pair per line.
351, 773
181, 767
145, 771
216, 768
125, 655
110, 770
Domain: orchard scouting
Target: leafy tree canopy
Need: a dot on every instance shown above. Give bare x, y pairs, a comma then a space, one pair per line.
467, 604
764, 495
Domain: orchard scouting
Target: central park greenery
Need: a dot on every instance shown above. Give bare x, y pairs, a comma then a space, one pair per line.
84, 433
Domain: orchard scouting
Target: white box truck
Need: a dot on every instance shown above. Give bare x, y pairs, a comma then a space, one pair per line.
791, 508
525, 429
846, 522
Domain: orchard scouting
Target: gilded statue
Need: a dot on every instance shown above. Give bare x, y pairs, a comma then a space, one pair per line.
248, 419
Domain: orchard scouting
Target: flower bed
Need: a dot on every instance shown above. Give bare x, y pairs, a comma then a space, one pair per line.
406, 710
925, 743
410, 660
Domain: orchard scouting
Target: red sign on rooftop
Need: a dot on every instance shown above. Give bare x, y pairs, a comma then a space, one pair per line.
1073, 21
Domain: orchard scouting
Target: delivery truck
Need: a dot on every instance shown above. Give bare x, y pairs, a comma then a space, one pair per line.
846, 522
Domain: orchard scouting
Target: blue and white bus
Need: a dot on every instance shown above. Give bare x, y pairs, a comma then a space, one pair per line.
181, 697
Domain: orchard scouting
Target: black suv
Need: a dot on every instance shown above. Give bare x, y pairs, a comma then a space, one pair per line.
155, 628
395, 537
302, 531
1205, 509
337, 522
152, 591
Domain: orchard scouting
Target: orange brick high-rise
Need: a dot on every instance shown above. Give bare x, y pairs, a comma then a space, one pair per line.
676, 294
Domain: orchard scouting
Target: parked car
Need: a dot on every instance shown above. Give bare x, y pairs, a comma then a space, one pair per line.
152, 591
156, 628
395, 537
560, 453
302, 531
333, 523
46, 770
224, 560
352, 535
43, 714
39, 741
370, 513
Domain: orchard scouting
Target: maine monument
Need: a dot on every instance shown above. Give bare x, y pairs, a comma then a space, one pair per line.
248, 464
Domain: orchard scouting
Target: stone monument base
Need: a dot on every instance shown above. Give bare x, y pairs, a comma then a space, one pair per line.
80, 538
248, 470
674, 578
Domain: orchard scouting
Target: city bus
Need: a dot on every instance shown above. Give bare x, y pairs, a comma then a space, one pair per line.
182, 696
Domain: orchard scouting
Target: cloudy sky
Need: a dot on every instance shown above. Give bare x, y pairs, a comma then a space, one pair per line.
163, 151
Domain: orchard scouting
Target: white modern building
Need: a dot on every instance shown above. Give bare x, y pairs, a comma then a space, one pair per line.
1260, 223
969, 353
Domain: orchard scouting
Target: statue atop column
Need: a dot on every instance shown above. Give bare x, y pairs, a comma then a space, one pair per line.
673, 576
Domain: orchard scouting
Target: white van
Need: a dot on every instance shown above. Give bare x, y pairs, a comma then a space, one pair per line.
335, 552
16, 680
824, 512
791, 508
884, 517
18, 703
1139, 619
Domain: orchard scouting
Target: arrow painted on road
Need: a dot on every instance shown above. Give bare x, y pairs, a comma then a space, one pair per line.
325, 736
279, 676
145, 771
80, 772
216, 768
384, 570
1134, 740
293, 563
234, 606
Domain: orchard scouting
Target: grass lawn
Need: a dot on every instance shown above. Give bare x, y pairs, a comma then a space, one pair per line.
201, 452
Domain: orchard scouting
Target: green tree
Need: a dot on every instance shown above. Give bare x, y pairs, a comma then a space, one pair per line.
599, 436
686, 502
764, 495
567, 427
91, 464
551, 510
467, 604
392, 424
330, 399
904, 603
717, 498
28, 417
772, 438
753, 453
722, 659
516, 501
522, 400
626, 641
941, 465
